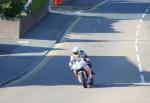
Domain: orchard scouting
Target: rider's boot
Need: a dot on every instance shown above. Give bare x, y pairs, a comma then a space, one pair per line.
92, 72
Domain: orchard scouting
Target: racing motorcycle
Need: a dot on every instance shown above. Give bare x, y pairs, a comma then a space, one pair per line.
83, 73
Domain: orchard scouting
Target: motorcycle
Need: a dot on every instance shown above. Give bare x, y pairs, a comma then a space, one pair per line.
83, 73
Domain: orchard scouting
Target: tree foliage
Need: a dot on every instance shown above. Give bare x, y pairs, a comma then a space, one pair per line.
11, 8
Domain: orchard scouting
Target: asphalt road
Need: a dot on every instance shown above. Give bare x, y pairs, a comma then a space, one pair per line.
116, 37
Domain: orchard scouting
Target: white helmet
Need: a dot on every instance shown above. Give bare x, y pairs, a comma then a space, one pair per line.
76, 50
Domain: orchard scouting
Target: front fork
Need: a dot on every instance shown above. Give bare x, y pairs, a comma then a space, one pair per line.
88, 72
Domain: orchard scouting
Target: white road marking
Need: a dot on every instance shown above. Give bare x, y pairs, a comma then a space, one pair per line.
147, 10
139, 26
142, 78
137, 33
23, 41
140, 68
136, 41
137, 47
95, 7
49, 53
138, 58
141, 20
70, 28
143, 15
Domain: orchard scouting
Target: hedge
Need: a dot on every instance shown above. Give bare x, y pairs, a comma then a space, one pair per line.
38, 4
11, 8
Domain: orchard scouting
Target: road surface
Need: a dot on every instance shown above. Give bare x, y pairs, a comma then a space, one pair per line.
115, 34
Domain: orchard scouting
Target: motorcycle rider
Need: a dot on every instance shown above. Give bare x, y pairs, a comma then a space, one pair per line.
78, 53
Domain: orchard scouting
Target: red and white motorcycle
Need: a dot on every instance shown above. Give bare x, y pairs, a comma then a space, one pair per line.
83, 73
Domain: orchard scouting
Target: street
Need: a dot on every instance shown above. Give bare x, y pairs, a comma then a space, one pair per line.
115, 34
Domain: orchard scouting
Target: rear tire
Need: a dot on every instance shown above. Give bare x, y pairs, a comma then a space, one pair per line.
92, 81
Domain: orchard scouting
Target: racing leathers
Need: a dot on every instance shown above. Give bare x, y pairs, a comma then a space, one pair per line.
82, 55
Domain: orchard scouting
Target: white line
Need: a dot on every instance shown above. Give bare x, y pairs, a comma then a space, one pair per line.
136, 41
137, 49
139, 26
143, 15
137, 33
23, 41
142, 78
45, 60
140, 68
138, 58
70, 28
141, 20
95, 7
147, 10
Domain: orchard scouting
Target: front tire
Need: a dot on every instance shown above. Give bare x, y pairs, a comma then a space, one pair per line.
83, 80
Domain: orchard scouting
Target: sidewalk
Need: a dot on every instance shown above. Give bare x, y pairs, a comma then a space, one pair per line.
18, 56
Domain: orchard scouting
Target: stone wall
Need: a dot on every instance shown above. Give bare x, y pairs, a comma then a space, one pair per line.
13, 29
9, 28
27, 22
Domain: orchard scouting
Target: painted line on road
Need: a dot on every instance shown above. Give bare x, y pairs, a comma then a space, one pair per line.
147, 10
70, 28
49, 53
140, 22
80, 18
138, 26
36, 69
23, 41
137, 48
138, 58
143, 15
98, 5
140, 68
44, 62
137, 33
136, 41
142, 79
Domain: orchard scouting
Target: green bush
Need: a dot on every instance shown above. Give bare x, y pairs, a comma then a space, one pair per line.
11, 8
38, 4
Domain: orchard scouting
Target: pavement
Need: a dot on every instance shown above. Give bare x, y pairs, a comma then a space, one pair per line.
18, 56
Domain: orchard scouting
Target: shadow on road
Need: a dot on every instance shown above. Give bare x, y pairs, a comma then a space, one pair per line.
13, 49
123, 7
111, 71
115, 71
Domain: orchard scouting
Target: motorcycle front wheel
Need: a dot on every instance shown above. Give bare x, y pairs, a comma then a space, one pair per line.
83, 80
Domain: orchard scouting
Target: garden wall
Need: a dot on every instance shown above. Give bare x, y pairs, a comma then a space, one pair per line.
13, 29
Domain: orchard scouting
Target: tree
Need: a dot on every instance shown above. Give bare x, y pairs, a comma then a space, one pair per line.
11, 8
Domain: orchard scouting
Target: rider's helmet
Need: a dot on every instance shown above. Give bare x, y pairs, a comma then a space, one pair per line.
76, 50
